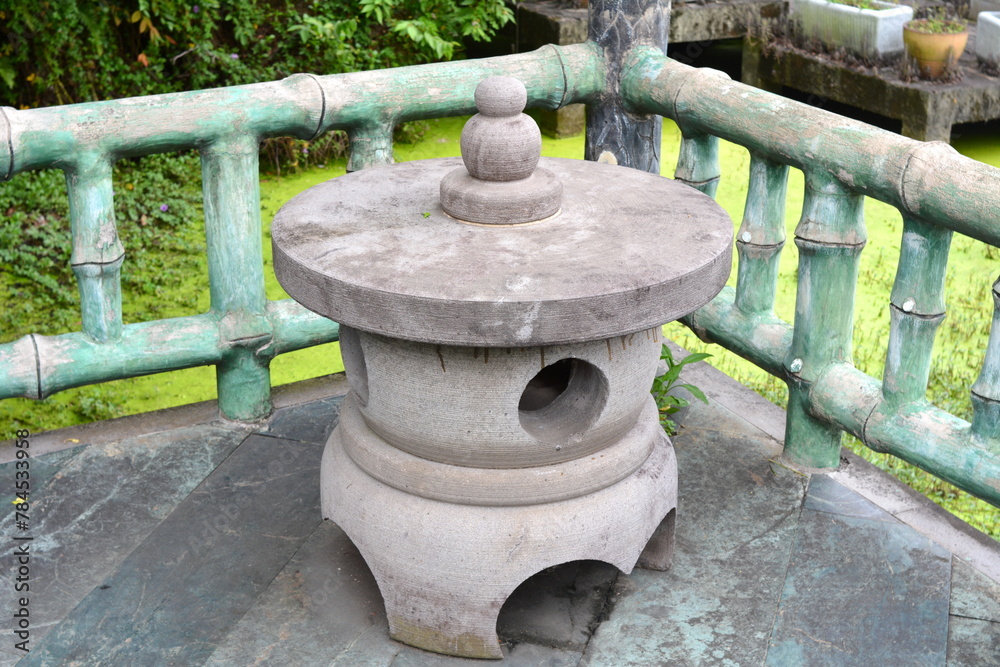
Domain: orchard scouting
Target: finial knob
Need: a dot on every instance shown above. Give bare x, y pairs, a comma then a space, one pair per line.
501, 182
500, 96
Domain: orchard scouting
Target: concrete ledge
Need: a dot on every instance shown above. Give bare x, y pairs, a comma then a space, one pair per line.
113, 430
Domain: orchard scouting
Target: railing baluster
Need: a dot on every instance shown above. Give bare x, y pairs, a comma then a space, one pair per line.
371, 146
236, 275
830, 236
761, 236
916, 310
986, 390
97, 251
698, 162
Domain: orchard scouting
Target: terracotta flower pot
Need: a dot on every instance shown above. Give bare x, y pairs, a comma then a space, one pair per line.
933, 51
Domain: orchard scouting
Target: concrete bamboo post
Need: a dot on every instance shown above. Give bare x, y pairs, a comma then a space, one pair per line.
614, 134
830, 236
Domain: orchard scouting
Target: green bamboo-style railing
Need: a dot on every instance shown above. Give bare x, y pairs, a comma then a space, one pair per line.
243, 331
938, 192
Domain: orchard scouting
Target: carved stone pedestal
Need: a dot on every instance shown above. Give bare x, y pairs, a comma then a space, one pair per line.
500, 327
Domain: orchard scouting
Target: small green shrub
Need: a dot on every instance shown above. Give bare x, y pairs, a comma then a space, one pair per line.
664, 385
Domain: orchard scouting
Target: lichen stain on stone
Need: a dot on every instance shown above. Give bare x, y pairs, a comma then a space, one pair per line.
465, 644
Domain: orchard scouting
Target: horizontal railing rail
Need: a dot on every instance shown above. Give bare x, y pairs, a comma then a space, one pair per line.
936, 190
243, 331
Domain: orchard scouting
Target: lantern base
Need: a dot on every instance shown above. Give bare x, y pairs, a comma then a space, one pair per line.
445, 569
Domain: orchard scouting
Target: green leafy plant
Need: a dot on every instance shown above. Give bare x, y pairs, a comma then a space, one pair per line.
665, 383
937, 26
860, 4
937, 21
59, 52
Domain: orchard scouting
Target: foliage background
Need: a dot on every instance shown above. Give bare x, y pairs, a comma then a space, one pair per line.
68, 51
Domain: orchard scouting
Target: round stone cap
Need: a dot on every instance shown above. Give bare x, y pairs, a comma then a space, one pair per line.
629, 250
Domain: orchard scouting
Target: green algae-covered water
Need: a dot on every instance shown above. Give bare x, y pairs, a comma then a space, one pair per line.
959, 349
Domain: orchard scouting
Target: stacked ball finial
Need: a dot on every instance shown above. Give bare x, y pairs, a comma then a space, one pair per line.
501, 182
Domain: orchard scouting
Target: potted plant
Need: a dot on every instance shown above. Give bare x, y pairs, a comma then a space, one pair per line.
867, 28
935, 43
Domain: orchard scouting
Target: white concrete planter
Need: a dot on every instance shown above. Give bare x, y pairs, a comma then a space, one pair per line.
870, 33
988, 38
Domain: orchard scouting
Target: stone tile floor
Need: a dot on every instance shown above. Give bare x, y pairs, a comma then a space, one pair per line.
201, 542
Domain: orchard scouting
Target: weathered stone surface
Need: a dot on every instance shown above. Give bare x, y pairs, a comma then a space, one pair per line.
446, 569
862, 592
927, 110
346, 249
192, 578
736, 518
325, 608
974, 625
521, 655
313, 613
873, 32
322, 608
826, 495
501, 183
308, 422
972, 643
988, 37
90, 506
463, 406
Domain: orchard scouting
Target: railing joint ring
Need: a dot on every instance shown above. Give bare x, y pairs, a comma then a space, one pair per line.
38, 368
322, 109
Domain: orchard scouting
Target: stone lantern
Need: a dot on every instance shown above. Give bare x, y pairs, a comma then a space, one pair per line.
500, 327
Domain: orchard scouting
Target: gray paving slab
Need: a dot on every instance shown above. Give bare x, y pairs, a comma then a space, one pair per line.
862, 592
973, 594
196, 574
319, 607
974, 627
157, 573
826, 495
521, 655
973, 643
736, 523
91, 506
308, 422
41, 470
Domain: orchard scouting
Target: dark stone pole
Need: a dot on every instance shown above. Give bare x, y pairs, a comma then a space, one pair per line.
614, 135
